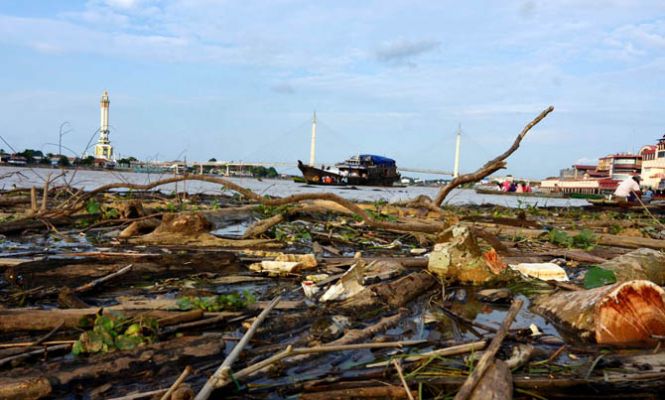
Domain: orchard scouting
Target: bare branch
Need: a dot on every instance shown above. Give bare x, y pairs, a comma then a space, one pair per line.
491, 166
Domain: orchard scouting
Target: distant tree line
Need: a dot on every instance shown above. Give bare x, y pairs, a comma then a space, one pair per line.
263, 172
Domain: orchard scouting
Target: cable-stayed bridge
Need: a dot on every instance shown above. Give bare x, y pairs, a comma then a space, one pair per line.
228, 167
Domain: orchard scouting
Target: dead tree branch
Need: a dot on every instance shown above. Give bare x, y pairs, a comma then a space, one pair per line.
491, 166
77, 202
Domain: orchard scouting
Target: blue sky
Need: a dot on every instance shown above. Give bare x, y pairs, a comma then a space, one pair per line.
238, 80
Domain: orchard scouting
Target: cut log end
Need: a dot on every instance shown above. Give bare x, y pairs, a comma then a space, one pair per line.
632, 313
627, 313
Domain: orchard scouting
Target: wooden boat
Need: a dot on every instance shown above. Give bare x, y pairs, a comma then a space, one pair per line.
658, 205
553, 195
361, 170
521, 194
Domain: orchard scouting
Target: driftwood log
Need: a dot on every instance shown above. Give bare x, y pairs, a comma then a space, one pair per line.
627, 242
21, 319
75, 272
496, 384
177, 352
621, 314
389, 295
640, 264
24, 388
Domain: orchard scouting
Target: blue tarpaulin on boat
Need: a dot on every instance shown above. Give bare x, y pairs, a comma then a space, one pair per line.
378, 160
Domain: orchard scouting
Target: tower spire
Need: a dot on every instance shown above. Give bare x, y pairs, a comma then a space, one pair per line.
457, 152
312, 147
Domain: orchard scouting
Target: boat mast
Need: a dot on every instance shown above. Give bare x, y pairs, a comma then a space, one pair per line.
457, 146
312, 147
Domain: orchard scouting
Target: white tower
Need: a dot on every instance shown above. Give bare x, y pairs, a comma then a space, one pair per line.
457, 145
312, 147
103, 148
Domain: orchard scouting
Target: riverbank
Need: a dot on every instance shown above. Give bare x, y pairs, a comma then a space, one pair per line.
111, 293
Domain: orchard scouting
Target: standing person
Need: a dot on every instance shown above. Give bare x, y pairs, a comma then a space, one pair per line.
628, 189
506, 185
648, 196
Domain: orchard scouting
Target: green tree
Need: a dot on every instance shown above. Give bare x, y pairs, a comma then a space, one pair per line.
127, 161
263, 172
64, 162
30, 155
88, 161
212, 160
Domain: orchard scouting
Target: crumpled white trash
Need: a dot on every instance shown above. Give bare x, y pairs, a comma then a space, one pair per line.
544, 271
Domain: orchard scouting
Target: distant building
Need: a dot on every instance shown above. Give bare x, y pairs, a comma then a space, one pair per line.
595, 179
620, 166
17, 160
653, 165
579, 171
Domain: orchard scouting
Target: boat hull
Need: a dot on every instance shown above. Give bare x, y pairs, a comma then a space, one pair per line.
318, 176
522, 194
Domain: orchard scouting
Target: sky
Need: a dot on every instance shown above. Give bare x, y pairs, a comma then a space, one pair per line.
239, 80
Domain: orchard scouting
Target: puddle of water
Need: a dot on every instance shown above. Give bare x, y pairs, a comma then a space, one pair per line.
233, 231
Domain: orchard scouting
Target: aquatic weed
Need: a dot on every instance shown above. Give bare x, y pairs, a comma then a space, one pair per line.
229, 302
114, 331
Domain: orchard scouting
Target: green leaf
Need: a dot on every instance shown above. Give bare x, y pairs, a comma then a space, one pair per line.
559, 238
184, 303
597, 277
123, 342
133, 330
78, 348
91, 342
93, 206
104, 323
584, 240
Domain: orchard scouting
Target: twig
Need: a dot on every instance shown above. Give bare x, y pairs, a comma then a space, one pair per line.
445, 352
401, 378
91, 285
34, 352
181, 379
141, 395
291, 352
48, 335
467, 321
195, 324
33, 199
224, 369
45, 194
31, 344
486, 360
647, 210
552, 357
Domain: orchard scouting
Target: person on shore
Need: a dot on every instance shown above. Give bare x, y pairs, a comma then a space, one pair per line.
506, 185
519, 188
628, 190
647, 196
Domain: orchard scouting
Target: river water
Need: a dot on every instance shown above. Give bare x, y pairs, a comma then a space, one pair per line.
11, 177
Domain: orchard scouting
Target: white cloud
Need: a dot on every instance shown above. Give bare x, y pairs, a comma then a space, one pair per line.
403, 52
124, 4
